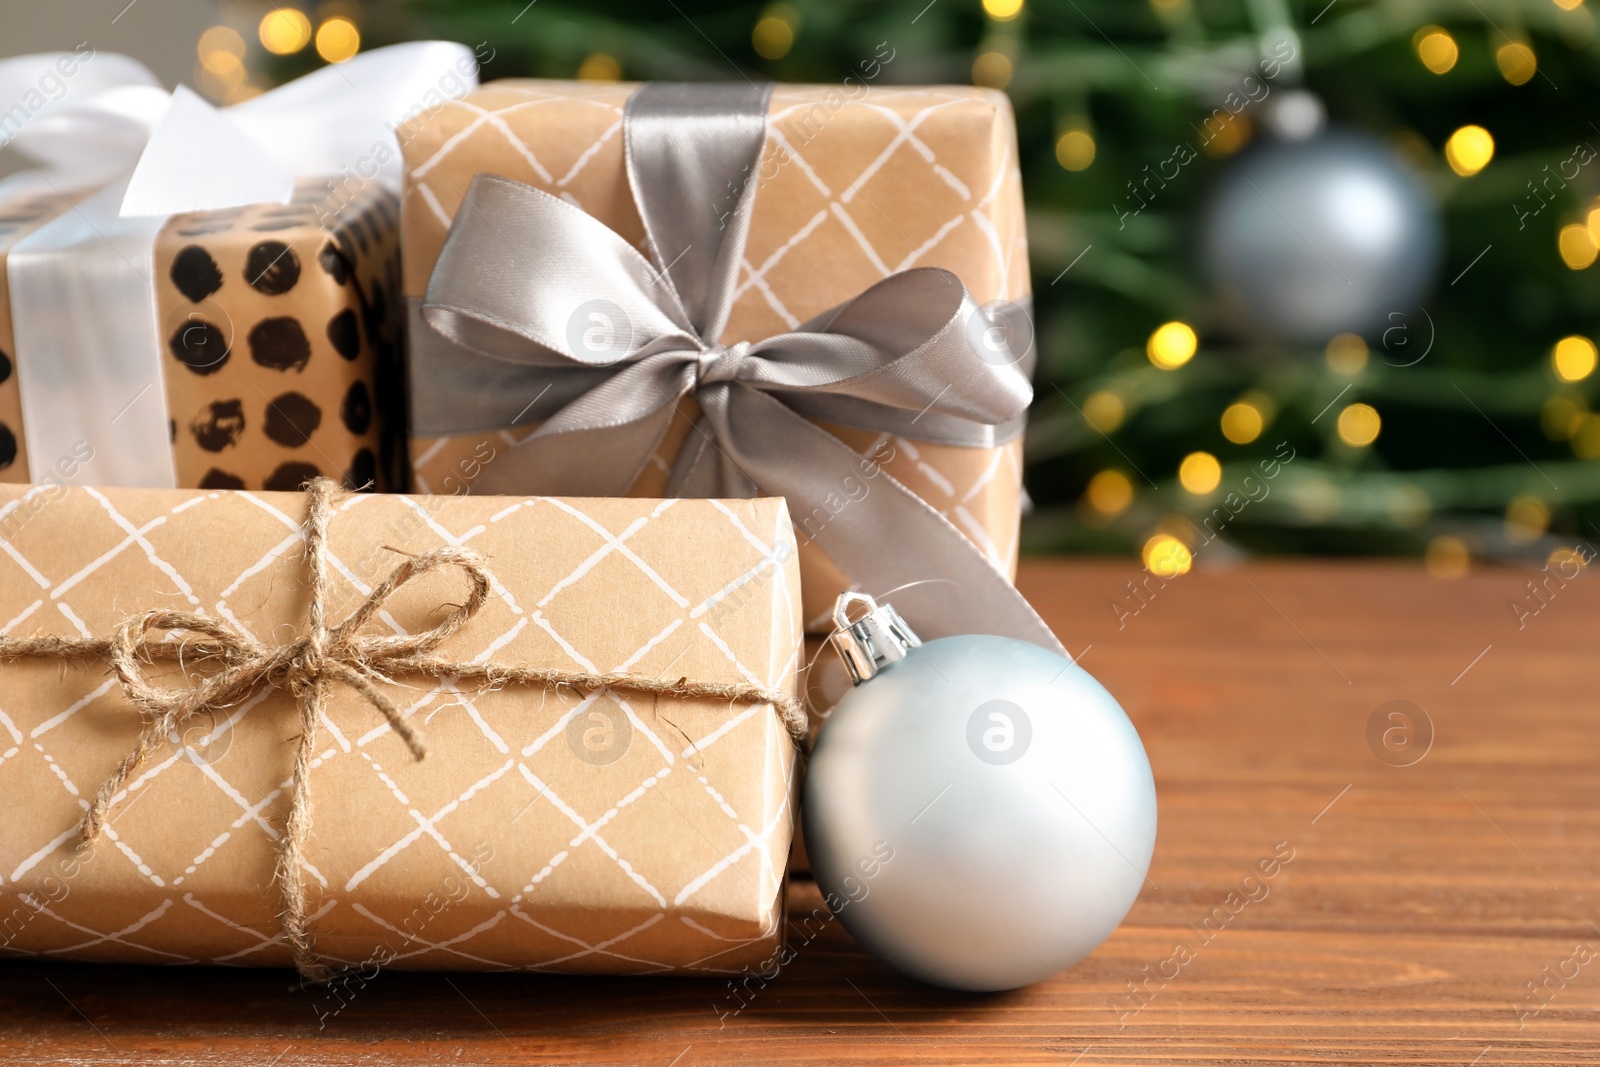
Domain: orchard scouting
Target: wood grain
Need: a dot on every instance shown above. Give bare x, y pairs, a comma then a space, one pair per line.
1419, 901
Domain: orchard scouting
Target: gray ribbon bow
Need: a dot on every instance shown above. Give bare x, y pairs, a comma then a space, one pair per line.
535, 303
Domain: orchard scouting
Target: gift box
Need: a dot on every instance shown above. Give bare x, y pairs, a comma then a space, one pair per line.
279, 336
312, 384
228, 279
854, 184
599, 829
20, 214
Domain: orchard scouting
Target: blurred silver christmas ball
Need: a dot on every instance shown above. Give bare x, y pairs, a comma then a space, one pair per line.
979, 813
1319, 236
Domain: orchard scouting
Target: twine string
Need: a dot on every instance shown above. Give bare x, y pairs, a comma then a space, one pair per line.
306, 668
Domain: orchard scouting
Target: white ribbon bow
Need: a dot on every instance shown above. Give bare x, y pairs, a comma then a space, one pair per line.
82, 286
110, 116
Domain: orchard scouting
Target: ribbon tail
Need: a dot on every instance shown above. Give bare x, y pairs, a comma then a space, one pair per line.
880, 534
339, 122
99, 122
703, 469
347, 120
297, 830
175, 174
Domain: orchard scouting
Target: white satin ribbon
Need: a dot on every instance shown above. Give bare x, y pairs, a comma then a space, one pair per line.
84, 115
88, 346
88, 376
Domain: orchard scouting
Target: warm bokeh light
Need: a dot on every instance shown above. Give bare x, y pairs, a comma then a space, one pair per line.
284, 30
1569, 5
219, 85
1469, 150
1109, 492
1409, 505
1527, 518
1414, 148
338, 39
1075, 150
1592, 221
1586, 438
1104, 410
1516, 62
1436, 48
1315, 498
992, 70
1002, 10
1359, 425
1447, 557
1172, 345
1167, 557
1566, 561
1577, 246
1225, 135
599, 67
773, 35
1200, 473
1242, 423
221, 50
1573, 358
1561, 417
1347, 354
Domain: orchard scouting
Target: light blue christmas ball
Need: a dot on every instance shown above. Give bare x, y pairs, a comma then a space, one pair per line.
981, 814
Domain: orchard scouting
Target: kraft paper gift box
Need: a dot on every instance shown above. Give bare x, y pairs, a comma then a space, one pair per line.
851, 190
280, 332
545, 829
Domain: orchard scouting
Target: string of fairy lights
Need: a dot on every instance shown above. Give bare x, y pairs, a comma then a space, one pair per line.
1171, 346
227, 51
1111, 496
1007, 55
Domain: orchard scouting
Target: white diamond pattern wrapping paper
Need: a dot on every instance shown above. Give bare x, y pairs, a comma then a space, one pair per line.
855, 184
604, 833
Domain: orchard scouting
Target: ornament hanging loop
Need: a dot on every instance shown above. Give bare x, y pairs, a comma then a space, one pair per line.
873, 641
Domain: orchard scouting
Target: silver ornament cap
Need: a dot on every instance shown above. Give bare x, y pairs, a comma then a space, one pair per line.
979, 811
876, 639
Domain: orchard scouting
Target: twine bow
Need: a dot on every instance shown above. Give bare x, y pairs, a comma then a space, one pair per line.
305, 667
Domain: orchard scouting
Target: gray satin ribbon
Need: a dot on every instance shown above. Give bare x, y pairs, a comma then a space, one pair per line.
538, 312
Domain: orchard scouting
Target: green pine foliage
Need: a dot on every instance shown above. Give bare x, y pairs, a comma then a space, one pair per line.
1480, 425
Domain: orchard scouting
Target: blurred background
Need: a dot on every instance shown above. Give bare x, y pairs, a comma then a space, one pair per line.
1310, 277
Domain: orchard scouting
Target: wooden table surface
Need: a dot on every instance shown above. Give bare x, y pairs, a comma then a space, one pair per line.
1421, 906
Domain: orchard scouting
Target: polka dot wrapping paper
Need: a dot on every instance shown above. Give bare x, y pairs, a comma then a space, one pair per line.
280, 342
545, 830
853, 187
